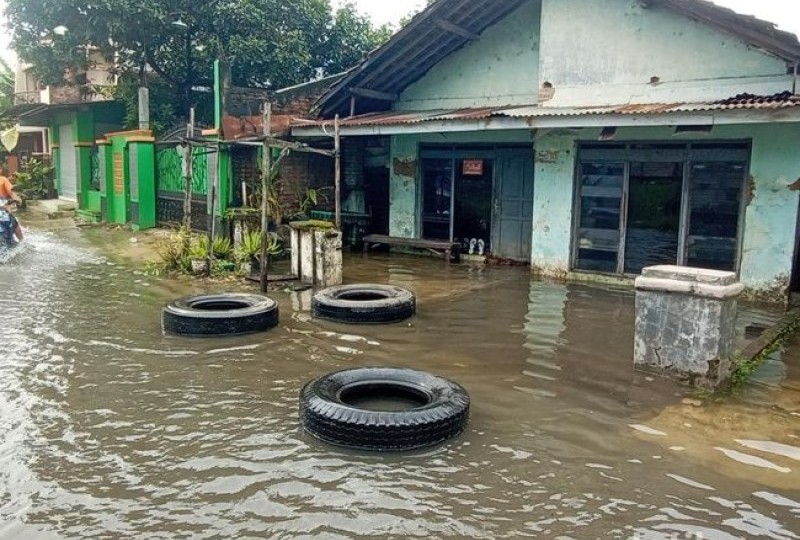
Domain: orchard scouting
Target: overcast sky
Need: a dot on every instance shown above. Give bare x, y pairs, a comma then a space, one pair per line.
785, 13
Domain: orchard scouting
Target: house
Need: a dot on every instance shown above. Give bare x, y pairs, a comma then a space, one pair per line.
589, 138
71, 117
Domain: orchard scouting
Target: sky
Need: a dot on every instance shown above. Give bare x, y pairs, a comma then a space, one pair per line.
777, 11
785, 13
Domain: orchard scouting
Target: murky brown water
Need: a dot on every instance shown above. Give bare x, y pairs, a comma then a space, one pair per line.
110, 430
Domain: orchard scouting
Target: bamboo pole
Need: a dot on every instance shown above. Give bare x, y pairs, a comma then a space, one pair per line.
337, 155
266, 178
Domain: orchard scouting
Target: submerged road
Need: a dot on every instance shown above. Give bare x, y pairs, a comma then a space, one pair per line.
108, 429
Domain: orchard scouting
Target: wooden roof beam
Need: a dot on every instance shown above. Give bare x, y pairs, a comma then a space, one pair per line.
374, 94
447, 26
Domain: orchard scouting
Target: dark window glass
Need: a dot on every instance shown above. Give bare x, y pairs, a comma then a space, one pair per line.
715, 208
599, 222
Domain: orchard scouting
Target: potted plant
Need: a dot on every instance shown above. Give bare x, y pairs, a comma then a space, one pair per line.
222, 249
198, 255
251, 250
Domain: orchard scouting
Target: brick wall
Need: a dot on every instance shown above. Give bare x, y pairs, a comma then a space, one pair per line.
301, 170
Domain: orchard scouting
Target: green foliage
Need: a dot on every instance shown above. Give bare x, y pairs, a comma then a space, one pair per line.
251, 243
274, 244
6, 87
174, 251
36, 180
221, 247
746, 366
198, 249
269, 43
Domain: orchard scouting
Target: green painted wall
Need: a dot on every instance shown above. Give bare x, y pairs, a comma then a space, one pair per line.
145, 193
107, 182
499, 69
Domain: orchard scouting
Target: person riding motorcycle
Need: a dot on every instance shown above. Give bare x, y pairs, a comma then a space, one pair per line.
6, 194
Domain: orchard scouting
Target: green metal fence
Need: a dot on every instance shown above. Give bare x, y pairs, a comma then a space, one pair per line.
169, 171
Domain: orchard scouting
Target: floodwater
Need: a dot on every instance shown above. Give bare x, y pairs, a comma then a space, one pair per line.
110, 430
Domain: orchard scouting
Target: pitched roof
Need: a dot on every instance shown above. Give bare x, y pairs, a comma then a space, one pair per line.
432, 35
448, 25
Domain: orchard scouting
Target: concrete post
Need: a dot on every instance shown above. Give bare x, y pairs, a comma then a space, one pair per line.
685, 323
316, 255
328, 258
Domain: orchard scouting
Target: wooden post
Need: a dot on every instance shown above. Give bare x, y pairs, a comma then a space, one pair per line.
337, 155
187, 196
266, 178
212, 218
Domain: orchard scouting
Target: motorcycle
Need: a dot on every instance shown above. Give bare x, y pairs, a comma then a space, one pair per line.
9, 245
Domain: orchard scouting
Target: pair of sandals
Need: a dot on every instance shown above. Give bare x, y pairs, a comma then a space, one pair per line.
477, 245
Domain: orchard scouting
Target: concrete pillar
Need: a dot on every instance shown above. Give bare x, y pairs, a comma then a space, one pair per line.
685, 323
328, 258
316, 255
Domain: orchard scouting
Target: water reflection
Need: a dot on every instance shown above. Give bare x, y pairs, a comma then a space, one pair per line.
109, 429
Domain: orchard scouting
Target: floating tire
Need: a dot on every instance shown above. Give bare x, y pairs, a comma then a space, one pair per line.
220, 315
383, 409
364, 304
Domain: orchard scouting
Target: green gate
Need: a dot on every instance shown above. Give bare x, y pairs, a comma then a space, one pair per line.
170, 185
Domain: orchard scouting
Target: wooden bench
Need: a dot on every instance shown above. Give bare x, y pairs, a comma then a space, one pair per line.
450, 250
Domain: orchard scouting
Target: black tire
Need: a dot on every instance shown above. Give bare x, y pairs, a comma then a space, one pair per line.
329, 410
364, 304
220, 315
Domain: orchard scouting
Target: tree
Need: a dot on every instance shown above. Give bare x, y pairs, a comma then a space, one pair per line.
269, 43
7, 89
6, 86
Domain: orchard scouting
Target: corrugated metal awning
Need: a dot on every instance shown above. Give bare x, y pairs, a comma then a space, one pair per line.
394, 118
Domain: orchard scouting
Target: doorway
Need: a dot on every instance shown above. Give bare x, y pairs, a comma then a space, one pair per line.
480, 197
68, 173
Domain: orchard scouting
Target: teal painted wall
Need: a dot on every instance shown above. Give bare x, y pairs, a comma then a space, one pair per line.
554, 169
404, 171
604, 52
771, 216
596, 52
403, 186
499, 69
769, 234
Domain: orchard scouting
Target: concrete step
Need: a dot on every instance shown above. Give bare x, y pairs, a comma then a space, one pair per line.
66, 207
38, 213
88, 216
61, 215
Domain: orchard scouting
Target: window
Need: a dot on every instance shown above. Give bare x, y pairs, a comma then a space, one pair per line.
641, 205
